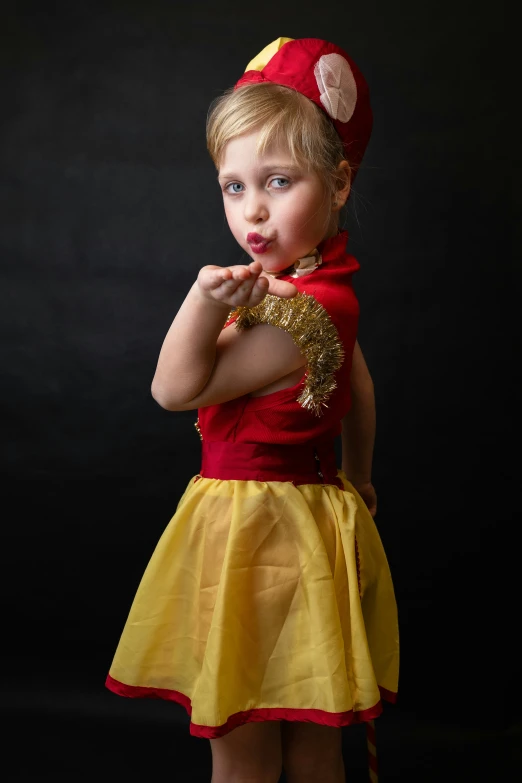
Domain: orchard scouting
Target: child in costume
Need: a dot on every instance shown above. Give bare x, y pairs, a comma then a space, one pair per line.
269, 597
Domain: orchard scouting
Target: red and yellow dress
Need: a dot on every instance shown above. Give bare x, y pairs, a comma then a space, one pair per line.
269, 596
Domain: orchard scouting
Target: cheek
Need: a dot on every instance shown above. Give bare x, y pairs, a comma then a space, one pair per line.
229, 213
307, 213
234, 224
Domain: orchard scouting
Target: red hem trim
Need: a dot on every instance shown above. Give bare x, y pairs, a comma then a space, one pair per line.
387, 695
336, 719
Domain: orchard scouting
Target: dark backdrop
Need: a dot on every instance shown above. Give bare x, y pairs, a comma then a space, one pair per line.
109, 208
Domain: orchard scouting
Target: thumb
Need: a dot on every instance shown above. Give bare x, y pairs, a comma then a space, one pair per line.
280, 287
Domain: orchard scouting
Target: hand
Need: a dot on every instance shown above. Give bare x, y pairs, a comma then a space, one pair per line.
368, 494
241, 286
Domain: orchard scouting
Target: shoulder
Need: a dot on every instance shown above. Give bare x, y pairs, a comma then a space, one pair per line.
331, 281
314, 333
304, 317
331, 287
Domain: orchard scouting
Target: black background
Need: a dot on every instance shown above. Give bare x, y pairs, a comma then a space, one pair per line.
109, 207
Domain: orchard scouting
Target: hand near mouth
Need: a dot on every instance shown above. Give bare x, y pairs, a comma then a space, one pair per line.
242, 285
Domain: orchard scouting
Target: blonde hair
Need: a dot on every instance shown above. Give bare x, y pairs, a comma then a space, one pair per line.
283, 116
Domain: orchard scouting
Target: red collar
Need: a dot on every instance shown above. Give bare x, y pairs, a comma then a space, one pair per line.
333, 247
330, 249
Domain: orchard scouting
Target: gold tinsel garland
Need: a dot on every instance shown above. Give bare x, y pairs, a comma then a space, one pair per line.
314, 333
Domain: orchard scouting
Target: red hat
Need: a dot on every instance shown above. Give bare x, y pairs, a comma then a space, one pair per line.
324, 73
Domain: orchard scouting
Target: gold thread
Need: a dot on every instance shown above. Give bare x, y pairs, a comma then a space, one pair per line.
196, 425
314, 333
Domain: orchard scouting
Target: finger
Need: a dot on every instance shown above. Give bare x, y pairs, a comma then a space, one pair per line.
213, 278
262, 283
259, 291
281, 288
256, 266
240, 272
244, 272
237, 291
247, 272
244, 289
231, 287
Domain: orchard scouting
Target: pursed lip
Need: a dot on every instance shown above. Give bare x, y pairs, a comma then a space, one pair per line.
257, 239
258, 243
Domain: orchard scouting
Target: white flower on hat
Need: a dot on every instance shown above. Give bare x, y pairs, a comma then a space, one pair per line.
336, 85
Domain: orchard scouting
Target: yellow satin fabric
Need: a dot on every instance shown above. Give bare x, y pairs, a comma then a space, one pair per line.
251, 600
266, 54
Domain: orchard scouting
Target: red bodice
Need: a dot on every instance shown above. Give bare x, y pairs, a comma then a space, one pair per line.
279, 417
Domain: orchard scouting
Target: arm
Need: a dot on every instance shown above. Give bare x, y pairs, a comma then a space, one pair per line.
358, 433
201, 363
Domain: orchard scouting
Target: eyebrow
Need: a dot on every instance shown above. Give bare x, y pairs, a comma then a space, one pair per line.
262, 170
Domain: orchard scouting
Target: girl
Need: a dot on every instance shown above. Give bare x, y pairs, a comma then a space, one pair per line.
267, 609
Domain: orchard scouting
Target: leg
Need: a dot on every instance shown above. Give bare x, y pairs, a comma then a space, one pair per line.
248, 754
312, 752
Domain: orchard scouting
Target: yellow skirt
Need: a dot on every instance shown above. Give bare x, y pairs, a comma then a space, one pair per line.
264, 601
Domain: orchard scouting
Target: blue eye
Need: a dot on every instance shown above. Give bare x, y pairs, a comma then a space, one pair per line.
234, 185
285, 182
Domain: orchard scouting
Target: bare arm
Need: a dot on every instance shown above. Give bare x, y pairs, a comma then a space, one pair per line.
201, 363
187, 355
358, 433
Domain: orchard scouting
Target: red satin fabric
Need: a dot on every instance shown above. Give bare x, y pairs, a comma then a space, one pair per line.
278, 417
310, 464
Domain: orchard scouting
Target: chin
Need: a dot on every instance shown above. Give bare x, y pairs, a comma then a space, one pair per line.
277, 270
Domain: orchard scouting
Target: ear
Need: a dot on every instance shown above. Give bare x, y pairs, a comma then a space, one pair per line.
342, 191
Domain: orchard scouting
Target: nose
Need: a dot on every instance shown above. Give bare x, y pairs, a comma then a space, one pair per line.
255, 207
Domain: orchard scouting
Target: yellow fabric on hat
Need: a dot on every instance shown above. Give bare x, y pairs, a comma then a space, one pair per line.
264, 57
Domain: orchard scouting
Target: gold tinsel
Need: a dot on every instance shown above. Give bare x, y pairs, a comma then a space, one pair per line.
314, 333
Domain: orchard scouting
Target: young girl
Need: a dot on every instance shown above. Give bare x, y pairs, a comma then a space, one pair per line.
267, 609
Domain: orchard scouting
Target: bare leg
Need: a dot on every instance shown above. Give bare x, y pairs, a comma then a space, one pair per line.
312, 752
248, 754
